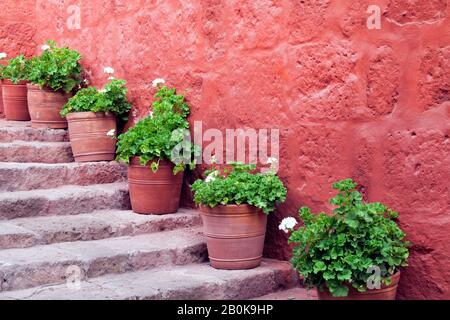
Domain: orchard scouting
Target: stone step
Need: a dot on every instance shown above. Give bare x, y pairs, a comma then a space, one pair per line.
21, 130
52, 264
291, 294
65, 200
29, 176
28, 232
190, 282
41, 152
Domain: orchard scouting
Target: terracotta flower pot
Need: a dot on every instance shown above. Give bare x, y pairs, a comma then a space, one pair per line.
385, 293
235, 236
2, 112
45, 106
88, 136
15, 105
154, 193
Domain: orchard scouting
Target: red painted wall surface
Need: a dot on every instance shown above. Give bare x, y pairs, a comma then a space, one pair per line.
373, 105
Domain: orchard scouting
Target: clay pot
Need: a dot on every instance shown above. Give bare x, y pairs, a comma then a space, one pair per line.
45, 106
88, 136
15, 105
235, 236
154, 193
385, 293
2, 112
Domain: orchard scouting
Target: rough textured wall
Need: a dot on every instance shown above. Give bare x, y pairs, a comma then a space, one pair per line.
349, 101
17, 30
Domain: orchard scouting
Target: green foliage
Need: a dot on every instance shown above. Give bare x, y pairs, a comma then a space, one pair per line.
158, 135
113, 98
16, 70
56, 68
240, 185
336, 250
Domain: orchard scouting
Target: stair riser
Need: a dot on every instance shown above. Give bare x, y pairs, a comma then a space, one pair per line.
59, 153
96, 232
42, 206
29, 134
242, 289
31, 178
27, 276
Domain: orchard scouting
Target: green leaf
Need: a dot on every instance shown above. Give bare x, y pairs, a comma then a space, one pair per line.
319, 266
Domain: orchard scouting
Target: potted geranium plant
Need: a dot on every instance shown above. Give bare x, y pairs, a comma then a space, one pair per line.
91, 115
155, 171
54, 75
355, 253
14, 89
234, 204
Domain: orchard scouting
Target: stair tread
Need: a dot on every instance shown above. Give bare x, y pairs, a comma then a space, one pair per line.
22, 130
63, 191
194, 281
32, 231
64, 200
35, 144
36, 151
27, 165
90, 250
297, 293
16, 176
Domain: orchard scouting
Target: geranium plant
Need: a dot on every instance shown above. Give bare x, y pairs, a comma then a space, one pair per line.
16, 70
157, 136
240, 184
57, 68
113, 98
340, 250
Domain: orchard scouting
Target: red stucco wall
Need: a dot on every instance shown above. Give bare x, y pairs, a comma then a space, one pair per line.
349, 102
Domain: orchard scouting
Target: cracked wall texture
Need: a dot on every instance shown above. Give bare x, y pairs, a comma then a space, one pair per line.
373, 105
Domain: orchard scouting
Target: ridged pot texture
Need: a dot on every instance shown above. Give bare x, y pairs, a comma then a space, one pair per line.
45, 106
89, 138
384, 293
235, 235
15, 102
154, 193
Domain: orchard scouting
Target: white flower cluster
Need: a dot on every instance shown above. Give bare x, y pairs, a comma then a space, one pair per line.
108, 70
45, 47
111, 133
212, 176
157, 82
288, 224
3, 55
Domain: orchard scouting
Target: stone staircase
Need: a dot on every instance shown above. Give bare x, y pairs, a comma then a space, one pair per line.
67, 232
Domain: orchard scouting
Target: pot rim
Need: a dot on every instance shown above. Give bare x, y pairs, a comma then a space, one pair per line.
134, 161
230, 209
90, 114
7, 82
32, 86
395, 281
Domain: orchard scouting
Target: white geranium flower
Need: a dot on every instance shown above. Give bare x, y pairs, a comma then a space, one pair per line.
3, 55
157, 82
45, 47
150, 114
108, 70
288, 224
212, 176
111, 133
272, 161
111, 78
